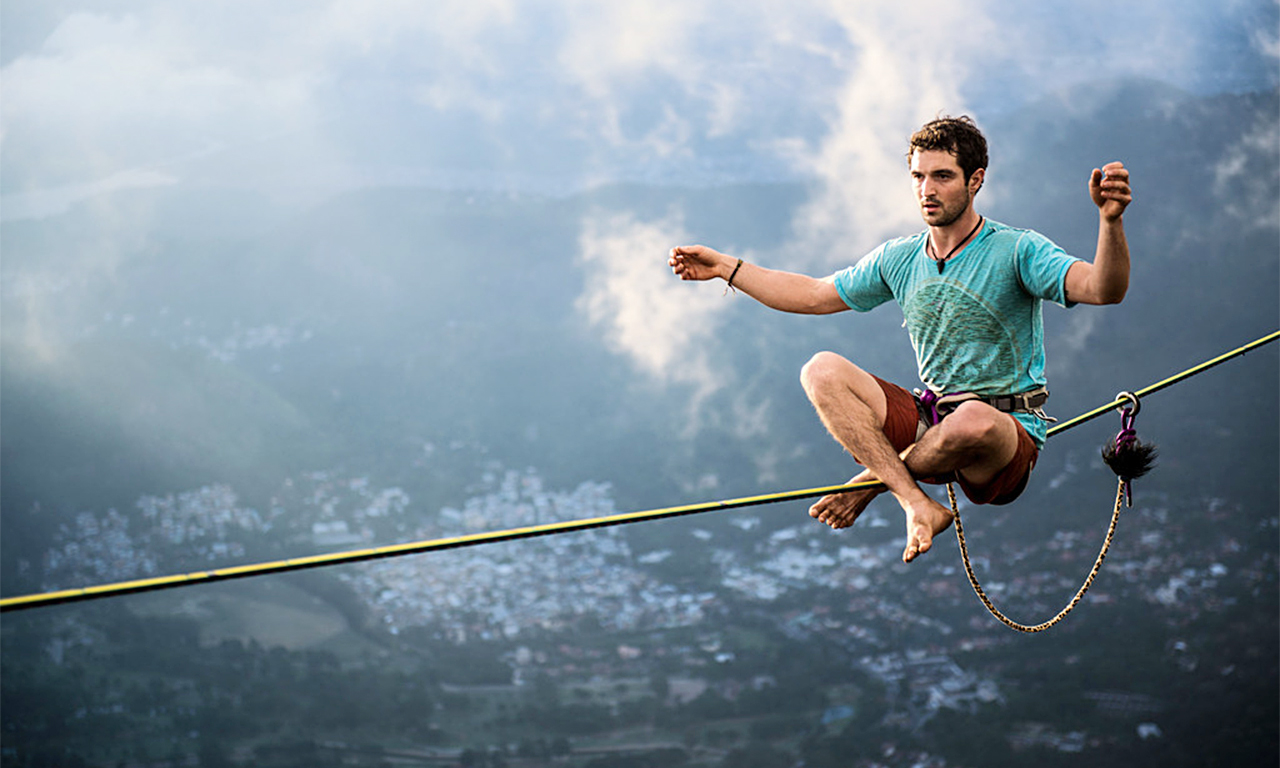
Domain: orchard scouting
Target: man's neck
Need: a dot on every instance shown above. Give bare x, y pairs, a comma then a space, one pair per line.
945, 239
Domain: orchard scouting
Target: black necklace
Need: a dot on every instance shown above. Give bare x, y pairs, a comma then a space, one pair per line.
933, 254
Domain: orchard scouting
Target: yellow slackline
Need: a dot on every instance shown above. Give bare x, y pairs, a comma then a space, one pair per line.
1165, 383
396, 550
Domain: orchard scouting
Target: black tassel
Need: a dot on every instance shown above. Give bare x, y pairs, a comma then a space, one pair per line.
1127, 456
1130, 458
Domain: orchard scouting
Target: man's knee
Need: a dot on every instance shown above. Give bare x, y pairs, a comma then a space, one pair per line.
976, 427
818, 371
823, 371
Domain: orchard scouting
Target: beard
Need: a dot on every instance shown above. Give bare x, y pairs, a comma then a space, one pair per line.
946, 215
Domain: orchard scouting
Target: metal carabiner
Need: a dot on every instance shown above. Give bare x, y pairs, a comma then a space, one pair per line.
1137, 404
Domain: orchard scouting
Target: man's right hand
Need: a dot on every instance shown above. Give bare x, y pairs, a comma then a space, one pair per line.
783, 291
697, 262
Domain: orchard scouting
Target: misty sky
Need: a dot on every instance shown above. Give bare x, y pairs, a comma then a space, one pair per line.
298, 98
293, 102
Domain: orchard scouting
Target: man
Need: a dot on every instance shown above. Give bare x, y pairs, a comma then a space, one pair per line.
971, 291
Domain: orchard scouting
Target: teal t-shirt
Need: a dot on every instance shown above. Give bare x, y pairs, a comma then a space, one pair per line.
976, 326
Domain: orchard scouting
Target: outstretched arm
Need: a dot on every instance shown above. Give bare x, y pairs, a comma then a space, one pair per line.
1106, 280
784, 291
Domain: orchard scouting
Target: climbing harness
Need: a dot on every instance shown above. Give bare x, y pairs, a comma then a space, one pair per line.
934, 407
1130, 459
23, 602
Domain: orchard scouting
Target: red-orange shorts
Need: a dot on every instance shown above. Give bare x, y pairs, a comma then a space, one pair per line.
902, 426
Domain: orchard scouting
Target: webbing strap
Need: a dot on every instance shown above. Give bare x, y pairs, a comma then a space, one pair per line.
243, 571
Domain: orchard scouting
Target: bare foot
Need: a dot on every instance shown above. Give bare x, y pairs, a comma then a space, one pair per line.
840, 510
925, 519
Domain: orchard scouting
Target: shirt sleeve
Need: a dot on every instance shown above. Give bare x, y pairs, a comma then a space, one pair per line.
862, 286
1042, 268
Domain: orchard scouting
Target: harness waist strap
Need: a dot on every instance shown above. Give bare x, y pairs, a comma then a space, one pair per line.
934, 406
1026, 402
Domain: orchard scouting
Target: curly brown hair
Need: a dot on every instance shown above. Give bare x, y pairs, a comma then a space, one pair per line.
959, 136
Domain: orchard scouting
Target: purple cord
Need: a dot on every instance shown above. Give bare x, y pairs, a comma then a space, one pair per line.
929, 399
1126, 440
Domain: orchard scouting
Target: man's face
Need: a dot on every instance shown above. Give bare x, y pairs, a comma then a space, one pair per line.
941, 189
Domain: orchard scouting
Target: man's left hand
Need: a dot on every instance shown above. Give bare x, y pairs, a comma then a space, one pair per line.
1109, 188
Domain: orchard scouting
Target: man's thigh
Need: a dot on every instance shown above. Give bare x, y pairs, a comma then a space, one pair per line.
828, 373
1003, 468
1010, 481
984, 438
902, 423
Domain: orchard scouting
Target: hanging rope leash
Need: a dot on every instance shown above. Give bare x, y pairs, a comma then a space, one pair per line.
1129, 458
1062, 614
36, 600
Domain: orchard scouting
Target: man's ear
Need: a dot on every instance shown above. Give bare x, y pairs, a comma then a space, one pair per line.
975, 181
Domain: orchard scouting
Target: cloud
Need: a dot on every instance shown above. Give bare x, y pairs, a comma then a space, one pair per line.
664, 326
298, 100
903, 70
109, 94
1249, 194
607, 45
57, 200
615, 89
1266, 40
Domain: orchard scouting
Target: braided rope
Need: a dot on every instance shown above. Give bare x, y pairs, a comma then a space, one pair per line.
977, 588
